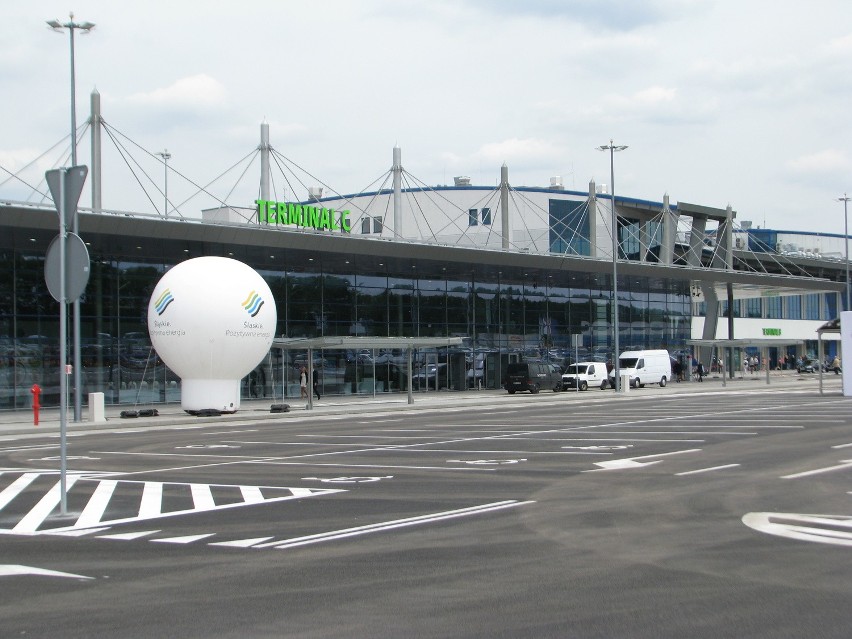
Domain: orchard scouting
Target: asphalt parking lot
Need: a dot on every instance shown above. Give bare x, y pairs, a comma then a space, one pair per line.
694, 510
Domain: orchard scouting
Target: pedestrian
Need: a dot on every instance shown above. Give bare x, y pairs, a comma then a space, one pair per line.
316, 383
835, 365
745, 365
303, 383
700, 370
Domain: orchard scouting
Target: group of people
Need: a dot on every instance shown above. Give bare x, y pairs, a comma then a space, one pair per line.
303, 383
750, 364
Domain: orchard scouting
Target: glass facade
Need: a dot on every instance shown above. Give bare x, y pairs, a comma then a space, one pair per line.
501, 318
569, 227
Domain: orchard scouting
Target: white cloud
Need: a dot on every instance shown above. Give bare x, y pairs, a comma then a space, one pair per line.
826, 161
518, 151
195, 91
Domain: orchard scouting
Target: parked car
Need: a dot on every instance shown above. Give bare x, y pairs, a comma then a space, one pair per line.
532, 377
582, 375
807, 366
432, 376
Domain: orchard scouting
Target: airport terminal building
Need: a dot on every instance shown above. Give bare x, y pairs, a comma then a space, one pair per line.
516, 272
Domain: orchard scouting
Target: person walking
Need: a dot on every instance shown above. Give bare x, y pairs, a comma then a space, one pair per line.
835, 365
700, 370
316, 383
303, 383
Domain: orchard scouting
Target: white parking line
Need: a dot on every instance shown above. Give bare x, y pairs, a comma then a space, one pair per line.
843, 465
391, 525
706, 470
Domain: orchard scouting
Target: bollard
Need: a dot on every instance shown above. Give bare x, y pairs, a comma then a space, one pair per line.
36, 391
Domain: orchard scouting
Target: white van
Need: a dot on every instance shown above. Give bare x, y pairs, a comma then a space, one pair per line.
582, 375
644, 367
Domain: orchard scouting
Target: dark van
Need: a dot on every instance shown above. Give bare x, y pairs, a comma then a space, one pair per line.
532, 377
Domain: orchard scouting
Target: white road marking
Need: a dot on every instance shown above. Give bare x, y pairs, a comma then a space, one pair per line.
152, 498
202, 497
97, 505
825, 529
182, 540
9, 570
842, 446
78, 533
150, 501
129, 536
605, 439
844, 464
20, 449
348, 480
41, 511
486, 462
251, 494
306, 463
391, 525
630, 462
240, 543
16, 487
705, 470
666, 432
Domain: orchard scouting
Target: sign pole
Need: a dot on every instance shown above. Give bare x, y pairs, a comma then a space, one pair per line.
65, 185
63, 343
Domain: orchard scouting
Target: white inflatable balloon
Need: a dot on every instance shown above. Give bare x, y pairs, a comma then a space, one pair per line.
211, 320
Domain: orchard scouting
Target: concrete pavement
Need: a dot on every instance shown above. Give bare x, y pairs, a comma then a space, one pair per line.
21, 421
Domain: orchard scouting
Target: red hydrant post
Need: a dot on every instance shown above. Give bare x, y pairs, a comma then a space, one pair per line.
36, 391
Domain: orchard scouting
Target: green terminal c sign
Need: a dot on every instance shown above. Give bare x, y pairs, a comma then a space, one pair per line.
312, 217
773, 332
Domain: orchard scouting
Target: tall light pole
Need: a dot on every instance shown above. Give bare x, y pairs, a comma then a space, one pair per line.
845, 201
85, 27
166, 157
612, 148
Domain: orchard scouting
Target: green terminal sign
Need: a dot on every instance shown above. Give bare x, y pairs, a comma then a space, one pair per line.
311, 217
774, 332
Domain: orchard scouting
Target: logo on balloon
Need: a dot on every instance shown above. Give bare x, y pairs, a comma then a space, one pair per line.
253, 304
163, 302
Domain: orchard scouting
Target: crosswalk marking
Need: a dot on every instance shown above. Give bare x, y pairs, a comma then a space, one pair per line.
40, 512
251, 494
202, 497
16, 487
97, 505
107, 502
152, 498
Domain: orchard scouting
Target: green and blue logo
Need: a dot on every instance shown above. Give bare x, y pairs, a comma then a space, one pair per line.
253, 303
163, 302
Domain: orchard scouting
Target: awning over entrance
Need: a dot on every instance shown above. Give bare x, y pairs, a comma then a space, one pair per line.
831, 329
406, 344
745, 342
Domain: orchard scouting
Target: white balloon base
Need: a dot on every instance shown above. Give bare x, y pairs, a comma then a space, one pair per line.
210, 395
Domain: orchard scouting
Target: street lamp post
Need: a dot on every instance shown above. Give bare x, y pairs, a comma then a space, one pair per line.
85, 27
845, 200
612, 148
166, 157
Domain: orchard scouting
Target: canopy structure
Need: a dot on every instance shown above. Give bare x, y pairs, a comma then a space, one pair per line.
832, 329
761, 343
406, 344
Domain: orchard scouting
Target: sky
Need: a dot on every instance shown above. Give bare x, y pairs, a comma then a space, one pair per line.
740, 102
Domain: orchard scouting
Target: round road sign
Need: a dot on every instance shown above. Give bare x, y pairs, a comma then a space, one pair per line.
76, 268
